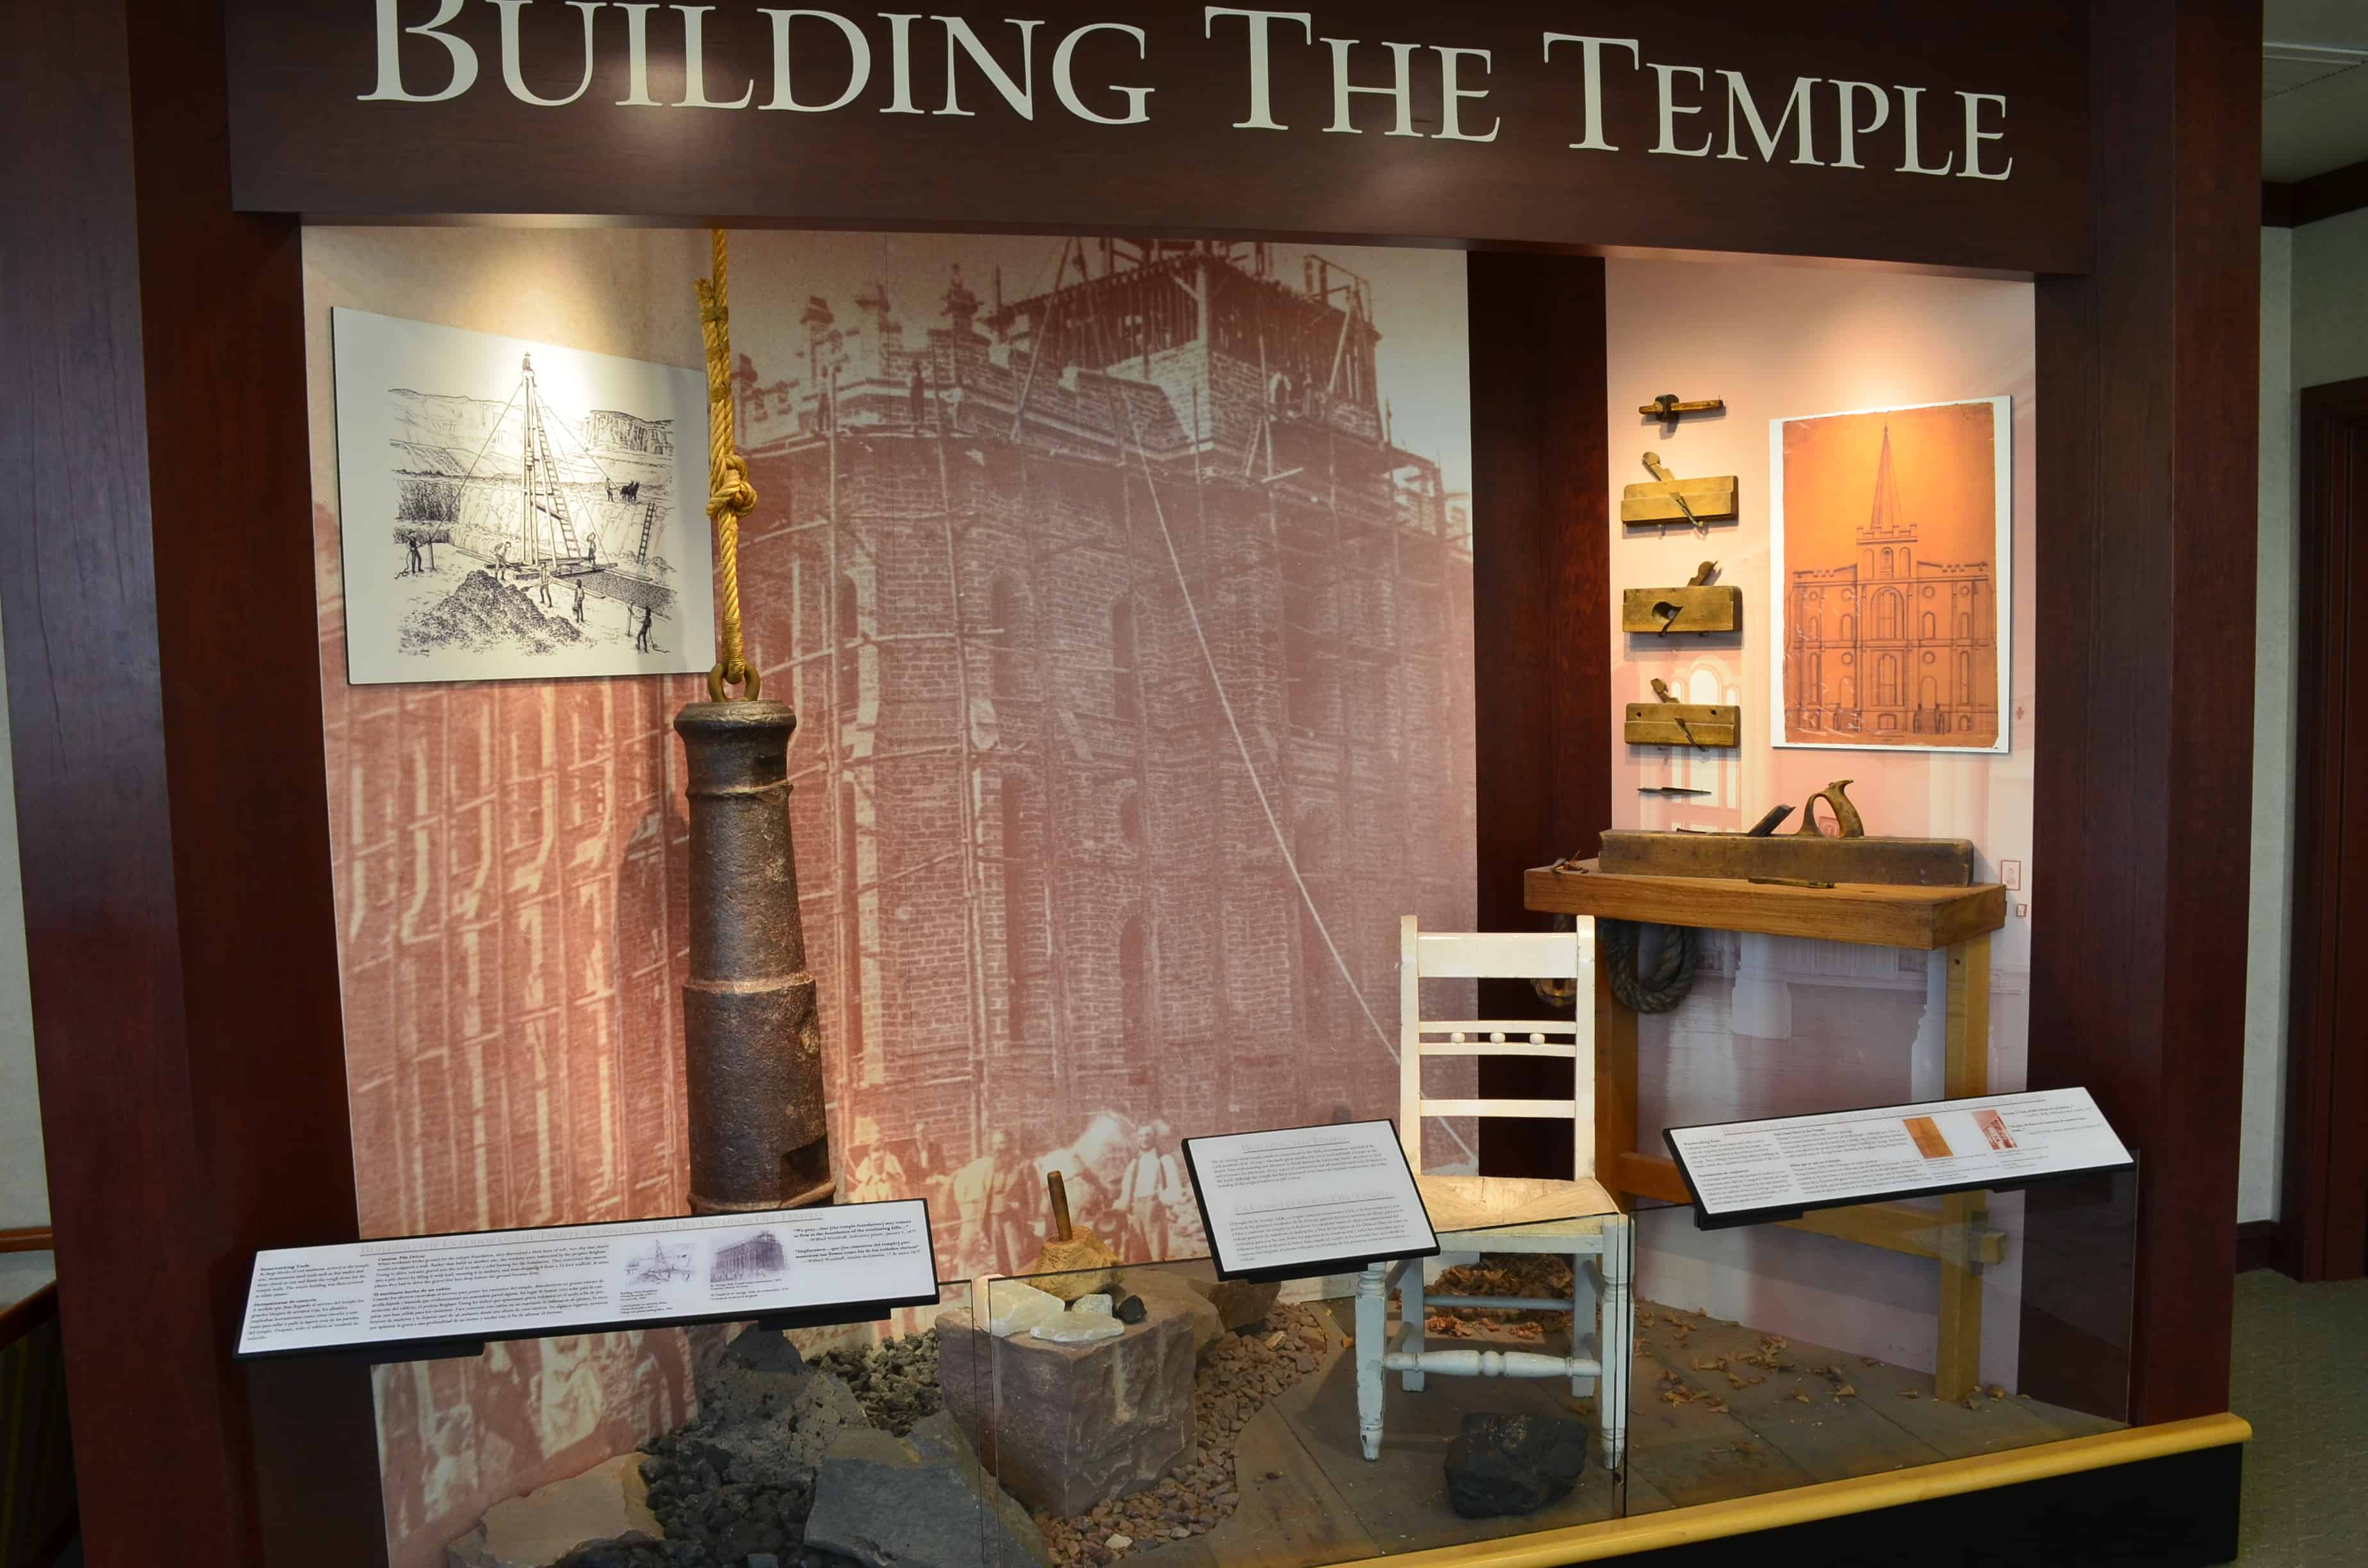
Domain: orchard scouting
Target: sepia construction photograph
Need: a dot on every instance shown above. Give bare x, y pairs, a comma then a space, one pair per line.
1128, 594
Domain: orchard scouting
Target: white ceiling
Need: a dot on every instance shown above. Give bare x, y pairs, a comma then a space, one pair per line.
2314, 86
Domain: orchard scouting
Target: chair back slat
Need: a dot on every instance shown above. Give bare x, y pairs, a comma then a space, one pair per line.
1497, 955
1535, 1110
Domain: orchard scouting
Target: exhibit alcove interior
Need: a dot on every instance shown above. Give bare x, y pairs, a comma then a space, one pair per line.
1167, 641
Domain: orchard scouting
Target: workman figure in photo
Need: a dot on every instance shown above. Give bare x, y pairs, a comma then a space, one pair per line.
1147, 1192
991, 1195
878, 1175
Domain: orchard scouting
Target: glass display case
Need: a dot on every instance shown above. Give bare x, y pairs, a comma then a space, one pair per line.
1155, 1412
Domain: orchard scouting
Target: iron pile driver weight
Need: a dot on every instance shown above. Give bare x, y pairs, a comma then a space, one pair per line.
752, 1037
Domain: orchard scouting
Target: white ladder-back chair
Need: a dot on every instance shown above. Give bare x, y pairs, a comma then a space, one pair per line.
1574, 1219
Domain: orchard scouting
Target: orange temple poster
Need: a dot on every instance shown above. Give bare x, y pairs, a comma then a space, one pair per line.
1891, 545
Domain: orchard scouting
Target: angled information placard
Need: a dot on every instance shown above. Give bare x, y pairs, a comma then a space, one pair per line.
1743, 1172
446, 1294
1307, 1200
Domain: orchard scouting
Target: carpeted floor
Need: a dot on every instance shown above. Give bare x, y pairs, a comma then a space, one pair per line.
2301, 1378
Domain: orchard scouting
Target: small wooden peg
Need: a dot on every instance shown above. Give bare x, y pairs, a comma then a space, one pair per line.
1060, 1194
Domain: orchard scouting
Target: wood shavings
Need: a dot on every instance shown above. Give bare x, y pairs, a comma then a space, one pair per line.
1844, 1391
1524, 1274
1801, 1399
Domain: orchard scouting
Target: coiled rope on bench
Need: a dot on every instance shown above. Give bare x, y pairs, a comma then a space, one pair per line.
1617, 940
1673, 968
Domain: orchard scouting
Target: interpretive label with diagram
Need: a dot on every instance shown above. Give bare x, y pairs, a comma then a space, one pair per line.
865, 1259
1308, 1200
1785, 1166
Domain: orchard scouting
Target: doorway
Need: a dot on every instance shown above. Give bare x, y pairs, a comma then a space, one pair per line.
2323, 1221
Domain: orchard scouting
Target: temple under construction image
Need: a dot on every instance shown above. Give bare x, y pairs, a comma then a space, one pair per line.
1133, 662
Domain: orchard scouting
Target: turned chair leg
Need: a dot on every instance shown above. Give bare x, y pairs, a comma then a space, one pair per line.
1411, 1315
1617, 1339
1372, 1340
1586, 1295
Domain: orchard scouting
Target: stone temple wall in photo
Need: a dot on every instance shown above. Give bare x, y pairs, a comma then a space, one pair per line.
1134, 668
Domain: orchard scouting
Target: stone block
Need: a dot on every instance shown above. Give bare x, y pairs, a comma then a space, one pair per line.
1169, 1289
545, 1525
1065, 1426
919, 1502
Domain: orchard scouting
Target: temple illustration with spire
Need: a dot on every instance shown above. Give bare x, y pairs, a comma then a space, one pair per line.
1891, 648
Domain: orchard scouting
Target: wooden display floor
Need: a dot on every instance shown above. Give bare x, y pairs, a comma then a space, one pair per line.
1310, 1497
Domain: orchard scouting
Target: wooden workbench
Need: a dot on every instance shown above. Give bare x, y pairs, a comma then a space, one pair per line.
1958, 920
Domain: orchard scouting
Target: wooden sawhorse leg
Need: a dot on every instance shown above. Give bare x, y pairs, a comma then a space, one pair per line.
1957, 1368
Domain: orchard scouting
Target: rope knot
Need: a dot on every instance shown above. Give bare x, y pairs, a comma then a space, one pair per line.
729, 492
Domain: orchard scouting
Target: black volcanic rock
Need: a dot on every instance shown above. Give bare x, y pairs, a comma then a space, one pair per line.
1513, 1464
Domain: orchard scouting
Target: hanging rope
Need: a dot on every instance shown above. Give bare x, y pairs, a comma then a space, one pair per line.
730, 496
1673, 972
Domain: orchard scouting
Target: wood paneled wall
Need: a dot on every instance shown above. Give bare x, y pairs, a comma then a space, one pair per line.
2148, 376
1541, 588
155, 570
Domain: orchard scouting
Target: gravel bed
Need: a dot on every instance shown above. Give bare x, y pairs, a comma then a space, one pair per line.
1239, 1375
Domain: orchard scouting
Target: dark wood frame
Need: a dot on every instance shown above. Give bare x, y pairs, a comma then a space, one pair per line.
2292, 203
2148, 416
156, 574
170, 774
2323, 1190
1540, 573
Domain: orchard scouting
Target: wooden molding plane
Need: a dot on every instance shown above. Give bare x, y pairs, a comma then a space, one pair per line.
1700, 724
1711, 608
1655, 501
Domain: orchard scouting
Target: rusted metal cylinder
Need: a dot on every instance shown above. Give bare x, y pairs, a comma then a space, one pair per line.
751, 1038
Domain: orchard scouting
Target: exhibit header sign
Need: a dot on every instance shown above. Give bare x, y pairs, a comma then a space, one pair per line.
1919, 134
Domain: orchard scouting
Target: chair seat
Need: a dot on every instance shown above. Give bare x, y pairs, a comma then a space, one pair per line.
1524, 1207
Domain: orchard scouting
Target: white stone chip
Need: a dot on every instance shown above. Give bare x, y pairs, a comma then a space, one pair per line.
1019, 1307
1075, 1328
